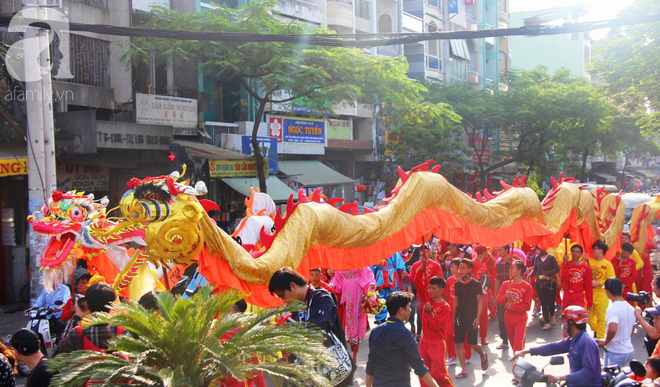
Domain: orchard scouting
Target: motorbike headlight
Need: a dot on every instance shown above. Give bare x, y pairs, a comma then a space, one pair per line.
520, 367
33, 313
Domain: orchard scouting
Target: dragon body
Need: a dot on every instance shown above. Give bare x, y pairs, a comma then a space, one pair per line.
318, 234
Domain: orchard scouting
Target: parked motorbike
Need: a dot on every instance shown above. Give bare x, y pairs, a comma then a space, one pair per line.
40, 324
617, 376
527, 375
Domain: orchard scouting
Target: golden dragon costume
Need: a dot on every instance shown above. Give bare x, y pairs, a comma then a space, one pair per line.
317, 234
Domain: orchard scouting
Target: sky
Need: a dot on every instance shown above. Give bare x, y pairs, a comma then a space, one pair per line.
598, 9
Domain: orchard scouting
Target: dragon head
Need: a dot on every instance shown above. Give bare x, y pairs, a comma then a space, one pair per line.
159, 215
65, 215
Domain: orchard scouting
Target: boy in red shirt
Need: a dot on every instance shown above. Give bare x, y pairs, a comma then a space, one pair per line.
480, 270
432, 347
576, 281
515, 296
421, 272
624, 267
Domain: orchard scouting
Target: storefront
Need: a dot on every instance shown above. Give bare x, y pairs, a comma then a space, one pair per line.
13, 202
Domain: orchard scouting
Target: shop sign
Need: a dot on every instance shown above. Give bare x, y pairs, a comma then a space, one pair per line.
297, 130
12, 167
123, 135
340, 129
166, 110
268, 147
234, 168
477, 145
88, 178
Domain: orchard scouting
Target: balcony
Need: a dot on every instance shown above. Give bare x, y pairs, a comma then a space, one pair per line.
502, 19
412, 23
301, 10
340, 16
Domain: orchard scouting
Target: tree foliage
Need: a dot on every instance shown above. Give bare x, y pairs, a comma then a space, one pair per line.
274, 72
628, 60
192, 342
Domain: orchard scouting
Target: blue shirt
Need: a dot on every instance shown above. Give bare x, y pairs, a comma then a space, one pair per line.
583, 358
392, 352
47, 299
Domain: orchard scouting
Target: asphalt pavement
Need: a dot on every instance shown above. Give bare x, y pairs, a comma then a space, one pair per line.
499, 371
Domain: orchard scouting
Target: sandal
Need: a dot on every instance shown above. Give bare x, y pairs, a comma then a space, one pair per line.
462, 375
484, 363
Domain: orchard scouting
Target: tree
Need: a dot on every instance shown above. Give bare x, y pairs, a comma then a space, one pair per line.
628, 60
274, 72
185, 344
481, 114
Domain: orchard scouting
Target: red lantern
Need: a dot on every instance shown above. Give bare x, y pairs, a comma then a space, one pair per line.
361, 188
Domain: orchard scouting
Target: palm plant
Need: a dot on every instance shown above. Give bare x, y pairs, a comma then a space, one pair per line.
183, 345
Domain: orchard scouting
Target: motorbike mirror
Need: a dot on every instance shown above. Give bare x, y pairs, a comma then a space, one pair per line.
557, 360
637, 368
59, 302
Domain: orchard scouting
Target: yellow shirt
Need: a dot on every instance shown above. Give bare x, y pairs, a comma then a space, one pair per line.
600, 271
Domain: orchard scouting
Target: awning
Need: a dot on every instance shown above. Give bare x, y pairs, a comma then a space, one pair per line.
277, 190
605, 176
208, 151
459, 48
311, 173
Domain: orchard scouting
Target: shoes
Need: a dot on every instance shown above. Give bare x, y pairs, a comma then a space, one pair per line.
536, 312
484, 363
546, 327
502, 346
542, 321
553, 322
452, 360
462, 375
467, 361
484, 341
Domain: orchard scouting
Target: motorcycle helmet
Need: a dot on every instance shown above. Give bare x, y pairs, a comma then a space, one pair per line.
576, 313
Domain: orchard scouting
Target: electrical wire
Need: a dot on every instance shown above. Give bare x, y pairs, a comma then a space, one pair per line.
343, 40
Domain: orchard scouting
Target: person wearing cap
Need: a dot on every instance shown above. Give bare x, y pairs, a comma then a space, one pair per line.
583, 356
601, 269
620, 326
652, 331
26, 343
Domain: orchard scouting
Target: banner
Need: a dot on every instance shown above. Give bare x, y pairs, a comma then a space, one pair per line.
297, 130
11, 167
268, 147
340, 129
164, 110
452, 6
234, 168
87, 178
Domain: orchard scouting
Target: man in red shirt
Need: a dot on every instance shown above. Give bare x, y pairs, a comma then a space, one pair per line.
421, 272
516, 296
624, 267
480, 270
432, 346
576, 281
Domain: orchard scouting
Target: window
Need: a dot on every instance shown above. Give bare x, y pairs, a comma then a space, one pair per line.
433, 50
384, 23
363, 9
458, 69
90, 60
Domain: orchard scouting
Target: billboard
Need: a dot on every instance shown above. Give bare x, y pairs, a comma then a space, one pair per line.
268, 147
297, 130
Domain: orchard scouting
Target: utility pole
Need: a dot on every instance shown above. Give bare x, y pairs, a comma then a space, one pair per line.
41, 139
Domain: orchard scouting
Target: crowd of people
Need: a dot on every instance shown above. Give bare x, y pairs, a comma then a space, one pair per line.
447, 293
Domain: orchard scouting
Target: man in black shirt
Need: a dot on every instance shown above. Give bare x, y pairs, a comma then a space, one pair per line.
466, 318
26, 343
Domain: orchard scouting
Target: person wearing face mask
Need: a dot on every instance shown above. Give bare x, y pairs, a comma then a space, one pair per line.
583, 355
